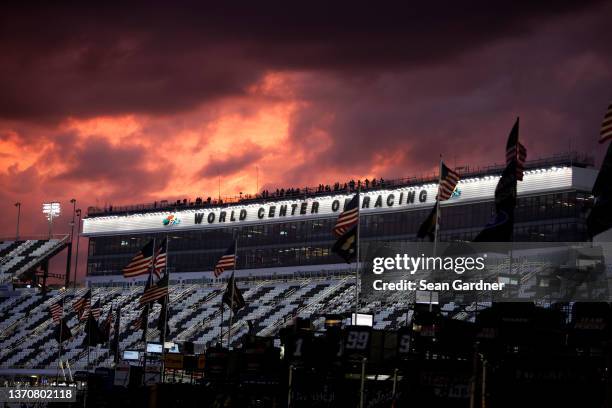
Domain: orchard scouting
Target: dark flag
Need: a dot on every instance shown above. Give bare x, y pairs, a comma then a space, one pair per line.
82, 305
155, 291
105, 327
140, 263
163, 318
448, 182
515, 152
600, 216
161, 258
501, 228
348, 218
428, 227
605, 133
142, 321
346, 245
252, 331
62, 331
57, 310
232, 296
93, 335
227, 261
116, 332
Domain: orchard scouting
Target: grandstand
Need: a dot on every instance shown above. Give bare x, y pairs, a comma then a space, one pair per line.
26, 339
18, 257
288, 275
285, 267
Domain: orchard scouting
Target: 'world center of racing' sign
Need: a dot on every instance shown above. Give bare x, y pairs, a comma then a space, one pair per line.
371, 202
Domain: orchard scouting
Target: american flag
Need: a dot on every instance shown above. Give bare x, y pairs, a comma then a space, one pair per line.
448, 182
161, 258
515, 151
348, 218
227, 261
96, 310
606, 126
154, 291
56, 311
140, 263
82, 305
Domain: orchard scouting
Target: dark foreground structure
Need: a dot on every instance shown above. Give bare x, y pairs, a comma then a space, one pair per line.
513, 355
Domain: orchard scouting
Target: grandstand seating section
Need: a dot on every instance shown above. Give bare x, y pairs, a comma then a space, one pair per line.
27, 330
26, 327
17, 257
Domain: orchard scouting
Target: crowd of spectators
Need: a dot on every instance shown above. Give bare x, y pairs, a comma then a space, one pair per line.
199, 202
349, 186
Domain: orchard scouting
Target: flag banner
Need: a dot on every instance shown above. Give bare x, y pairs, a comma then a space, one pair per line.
142, 320
605, 133
233, 296
347, 218
161, 258
62, 331
227, 261
96, 310
515, 152
346, 245
82, 305
141, 263
599, 218
428, 227
501, 227
155, 291
163, 317
448, 181
116, 333
57, 310
105, 326
93, 336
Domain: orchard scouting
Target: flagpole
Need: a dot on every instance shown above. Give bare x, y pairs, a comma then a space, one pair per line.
145, 329
220, 341
117, 328
59, 352
438, 204
163, 376
88, 328
437, 207
229, 329
357, 250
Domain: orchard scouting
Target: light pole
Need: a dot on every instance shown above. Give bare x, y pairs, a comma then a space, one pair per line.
69, 257
18, 205
76, 260
51, 210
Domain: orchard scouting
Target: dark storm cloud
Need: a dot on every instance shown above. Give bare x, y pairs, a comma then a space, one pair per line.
121, 168
558, 80
230, 165
60, 61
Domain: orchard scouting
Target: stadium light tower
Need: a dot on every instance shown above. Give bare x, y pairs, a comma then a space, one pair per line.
51, 210
69, 257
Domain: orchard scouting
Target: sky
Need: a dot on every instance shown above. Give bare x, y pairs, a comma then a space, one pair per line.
124, 104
